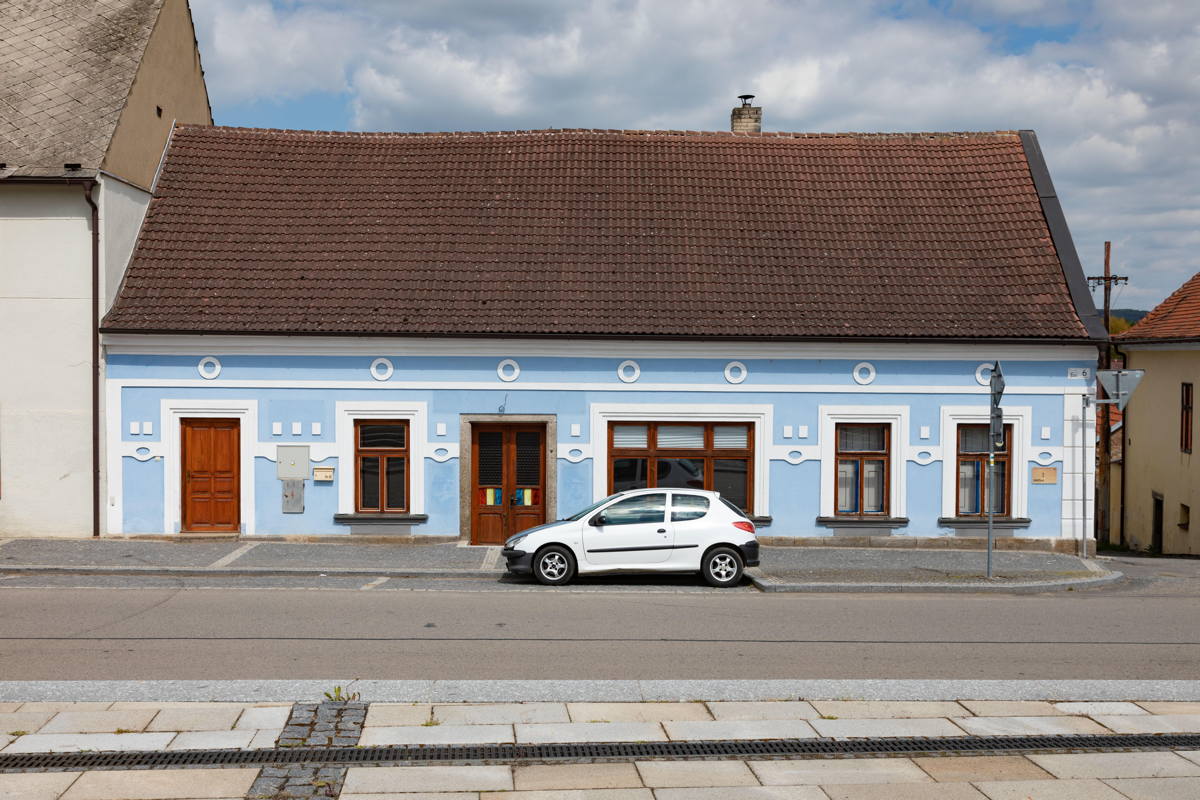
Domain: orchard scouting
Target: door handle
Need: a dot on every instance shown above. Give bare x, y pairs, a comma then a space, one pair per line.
662, 530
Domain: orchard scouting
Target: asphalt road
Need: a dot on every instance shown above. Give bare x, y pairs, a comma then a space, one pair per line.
76, 628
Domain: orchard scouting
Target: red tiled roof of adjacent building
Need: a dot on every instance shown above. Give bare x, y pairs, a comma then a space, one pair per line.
599, 233
1177, 317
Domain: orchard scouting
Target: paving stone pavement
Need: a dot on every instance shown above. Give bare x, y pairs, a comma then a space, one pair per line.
328, 724
1152, 775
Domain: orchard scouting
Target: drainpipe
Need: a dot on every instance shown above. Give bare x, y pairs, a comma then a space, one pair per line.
1124, 448
89, 187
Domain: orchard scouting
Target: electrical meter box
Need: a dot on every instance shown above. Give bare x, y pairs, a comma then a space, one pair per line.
291, 462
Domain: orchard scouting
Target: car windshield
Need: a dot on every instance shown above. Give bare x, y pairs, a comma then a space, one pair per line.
580, 515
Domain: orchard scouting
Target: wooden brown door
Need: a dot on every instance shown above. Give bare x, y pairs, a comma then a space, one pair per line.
211, 479
508, 482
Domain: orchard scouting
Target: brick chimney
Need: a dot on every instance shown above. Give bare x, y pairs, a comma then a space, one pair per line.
746, 118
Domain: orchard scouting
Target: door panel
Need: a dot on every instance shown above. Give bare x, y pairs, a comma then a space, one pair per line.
210, 450
507, 481
638, 533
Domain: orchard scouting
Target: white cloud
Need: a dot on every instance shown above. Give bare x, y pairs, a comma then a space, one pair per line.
1116, 105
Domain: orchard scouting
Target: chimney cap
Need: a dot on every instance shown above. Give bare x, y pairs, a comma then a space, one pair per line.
745, 98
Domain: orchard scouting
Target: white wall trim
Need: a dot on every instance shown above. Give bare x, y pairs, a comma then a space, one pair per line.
761, 415
416, 412
1021, 418
897, 417
619, 349
615, 386
171, 412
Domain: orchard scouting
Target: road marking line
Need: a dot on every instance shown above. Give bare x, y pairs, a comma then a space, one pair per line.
225, 561
373, 584
493, 556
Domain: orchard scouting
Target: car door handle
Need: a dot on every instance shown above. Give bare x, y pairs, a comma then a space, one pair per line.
662, 530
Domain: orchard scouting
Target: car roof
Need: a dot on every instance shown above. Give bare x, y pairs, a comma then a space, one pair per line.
632, 492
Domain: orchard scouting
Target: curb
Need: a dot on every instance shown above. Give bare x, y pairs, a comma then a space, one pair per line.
772, 585
242, 572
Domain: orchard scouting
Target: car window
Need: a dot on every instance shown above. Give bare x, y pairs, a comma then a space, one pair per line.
581, 514
643, 508
734, 509
688, 506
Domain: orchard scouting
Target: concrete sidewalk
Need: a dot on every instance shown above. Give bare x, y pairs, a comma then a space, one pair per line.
783, 569
149, 727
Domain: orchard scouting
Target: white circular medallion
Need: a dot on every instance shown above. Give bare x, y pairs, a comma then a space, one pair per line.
863, 373
382, 369
983, 373
629, 371
736, 372
209, 368
508, 370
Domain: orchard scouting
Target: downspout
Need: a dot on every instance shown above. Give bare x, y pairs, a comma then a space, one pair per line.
1124, 447
90, 186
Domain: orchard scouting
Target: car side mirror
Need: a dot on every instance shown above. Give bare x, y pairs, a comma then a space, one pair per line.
598, 520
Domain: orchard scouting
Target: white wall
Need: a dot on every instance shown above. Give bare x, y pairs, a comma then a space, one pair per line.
122, 208
45, 379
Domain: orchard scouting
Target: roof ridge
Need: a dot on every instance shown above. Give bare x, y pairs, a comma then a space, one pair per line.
910, 135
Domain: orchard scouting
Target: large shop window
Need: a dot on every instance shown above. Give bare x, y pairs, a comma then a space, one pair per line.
381, 465
863, 473
975, 494
718, 456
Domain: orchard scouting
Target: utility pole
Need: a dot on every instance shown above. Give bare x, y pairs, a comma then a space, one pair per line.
1108, 280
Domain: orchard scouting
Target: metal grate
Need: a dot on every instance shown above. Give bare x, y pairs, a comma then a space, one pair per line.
515, 753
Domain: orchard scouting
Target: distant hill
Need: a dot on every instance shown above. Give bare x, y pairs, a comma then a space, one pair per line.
1130, 315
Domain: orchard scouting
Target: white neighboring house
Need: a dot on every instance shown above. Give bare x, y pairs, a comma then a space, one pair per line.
89, 91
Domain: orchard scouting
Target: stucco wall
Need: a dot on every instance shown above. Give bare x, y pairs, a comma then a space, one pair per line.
294, 398
1154, 463
122, 208
45, 387
169, 78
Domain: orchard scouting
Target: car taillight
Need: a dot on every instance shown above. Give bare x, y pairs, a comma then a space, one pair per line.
748, 527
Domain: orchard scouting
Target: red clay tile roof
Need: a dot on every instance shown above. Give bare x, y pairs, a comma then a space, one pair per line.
597, 233
1177, 317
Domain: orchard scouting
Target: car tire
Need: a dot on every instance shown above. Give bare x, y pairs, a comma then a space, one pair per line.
554, 565
722, 567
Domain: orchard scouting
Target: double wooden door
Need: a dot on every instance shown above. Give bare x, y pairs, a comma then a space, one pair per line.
508, 481
211, 477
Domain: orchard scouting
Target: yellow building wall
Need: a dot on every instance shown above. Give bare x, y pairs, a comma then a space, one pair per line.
1154, 463
169, 78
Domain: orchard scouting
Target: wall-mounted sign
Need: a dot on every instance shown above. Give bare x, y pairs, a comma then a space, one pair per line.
322, 473
1045, 474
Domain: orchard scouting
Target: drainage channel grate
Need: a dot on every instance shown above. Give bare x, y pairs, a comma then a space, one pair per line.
509, 753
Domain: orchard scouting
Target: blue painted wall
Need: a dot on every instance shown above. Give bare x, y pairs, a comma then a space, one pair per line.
305, 389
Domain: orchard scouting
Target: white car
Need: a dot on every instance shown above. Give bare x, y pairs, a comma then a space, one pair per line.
640, 530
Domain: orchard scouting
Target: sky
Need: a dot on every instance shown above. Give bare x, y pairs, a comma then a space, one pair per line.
1112, 87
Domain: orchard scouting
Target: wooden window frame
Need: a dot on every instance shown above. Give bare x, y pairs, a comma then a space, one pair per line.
708, 453
1002, 458
1186, 397
860, 456
383, 453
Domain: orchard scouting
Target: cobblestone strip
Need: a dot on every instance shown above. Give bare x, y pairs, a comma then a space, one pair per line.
324, 725
298, 781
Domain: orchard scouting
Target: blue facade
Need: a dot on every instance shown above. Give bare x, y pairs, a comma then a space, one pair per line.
793, 402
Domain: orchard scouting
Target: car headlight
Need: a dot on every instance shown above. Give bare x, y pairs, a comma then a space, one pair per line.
512, 540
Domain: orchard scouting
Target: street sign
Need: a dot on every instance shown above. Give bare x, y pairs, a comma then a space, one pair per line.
997, 384
996, 428
1119, 384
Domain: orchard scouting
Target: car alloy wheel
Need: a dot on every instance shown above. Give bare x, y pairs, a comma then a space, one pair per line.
722, 567
554, 566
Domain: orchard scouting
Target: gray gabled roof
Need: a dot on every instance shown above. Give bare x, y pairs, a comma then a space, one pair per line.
66, 67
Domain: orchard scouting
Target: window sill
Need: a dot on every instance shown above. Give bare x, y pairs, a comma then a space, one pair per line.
863, 522
981, 522
384, 519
